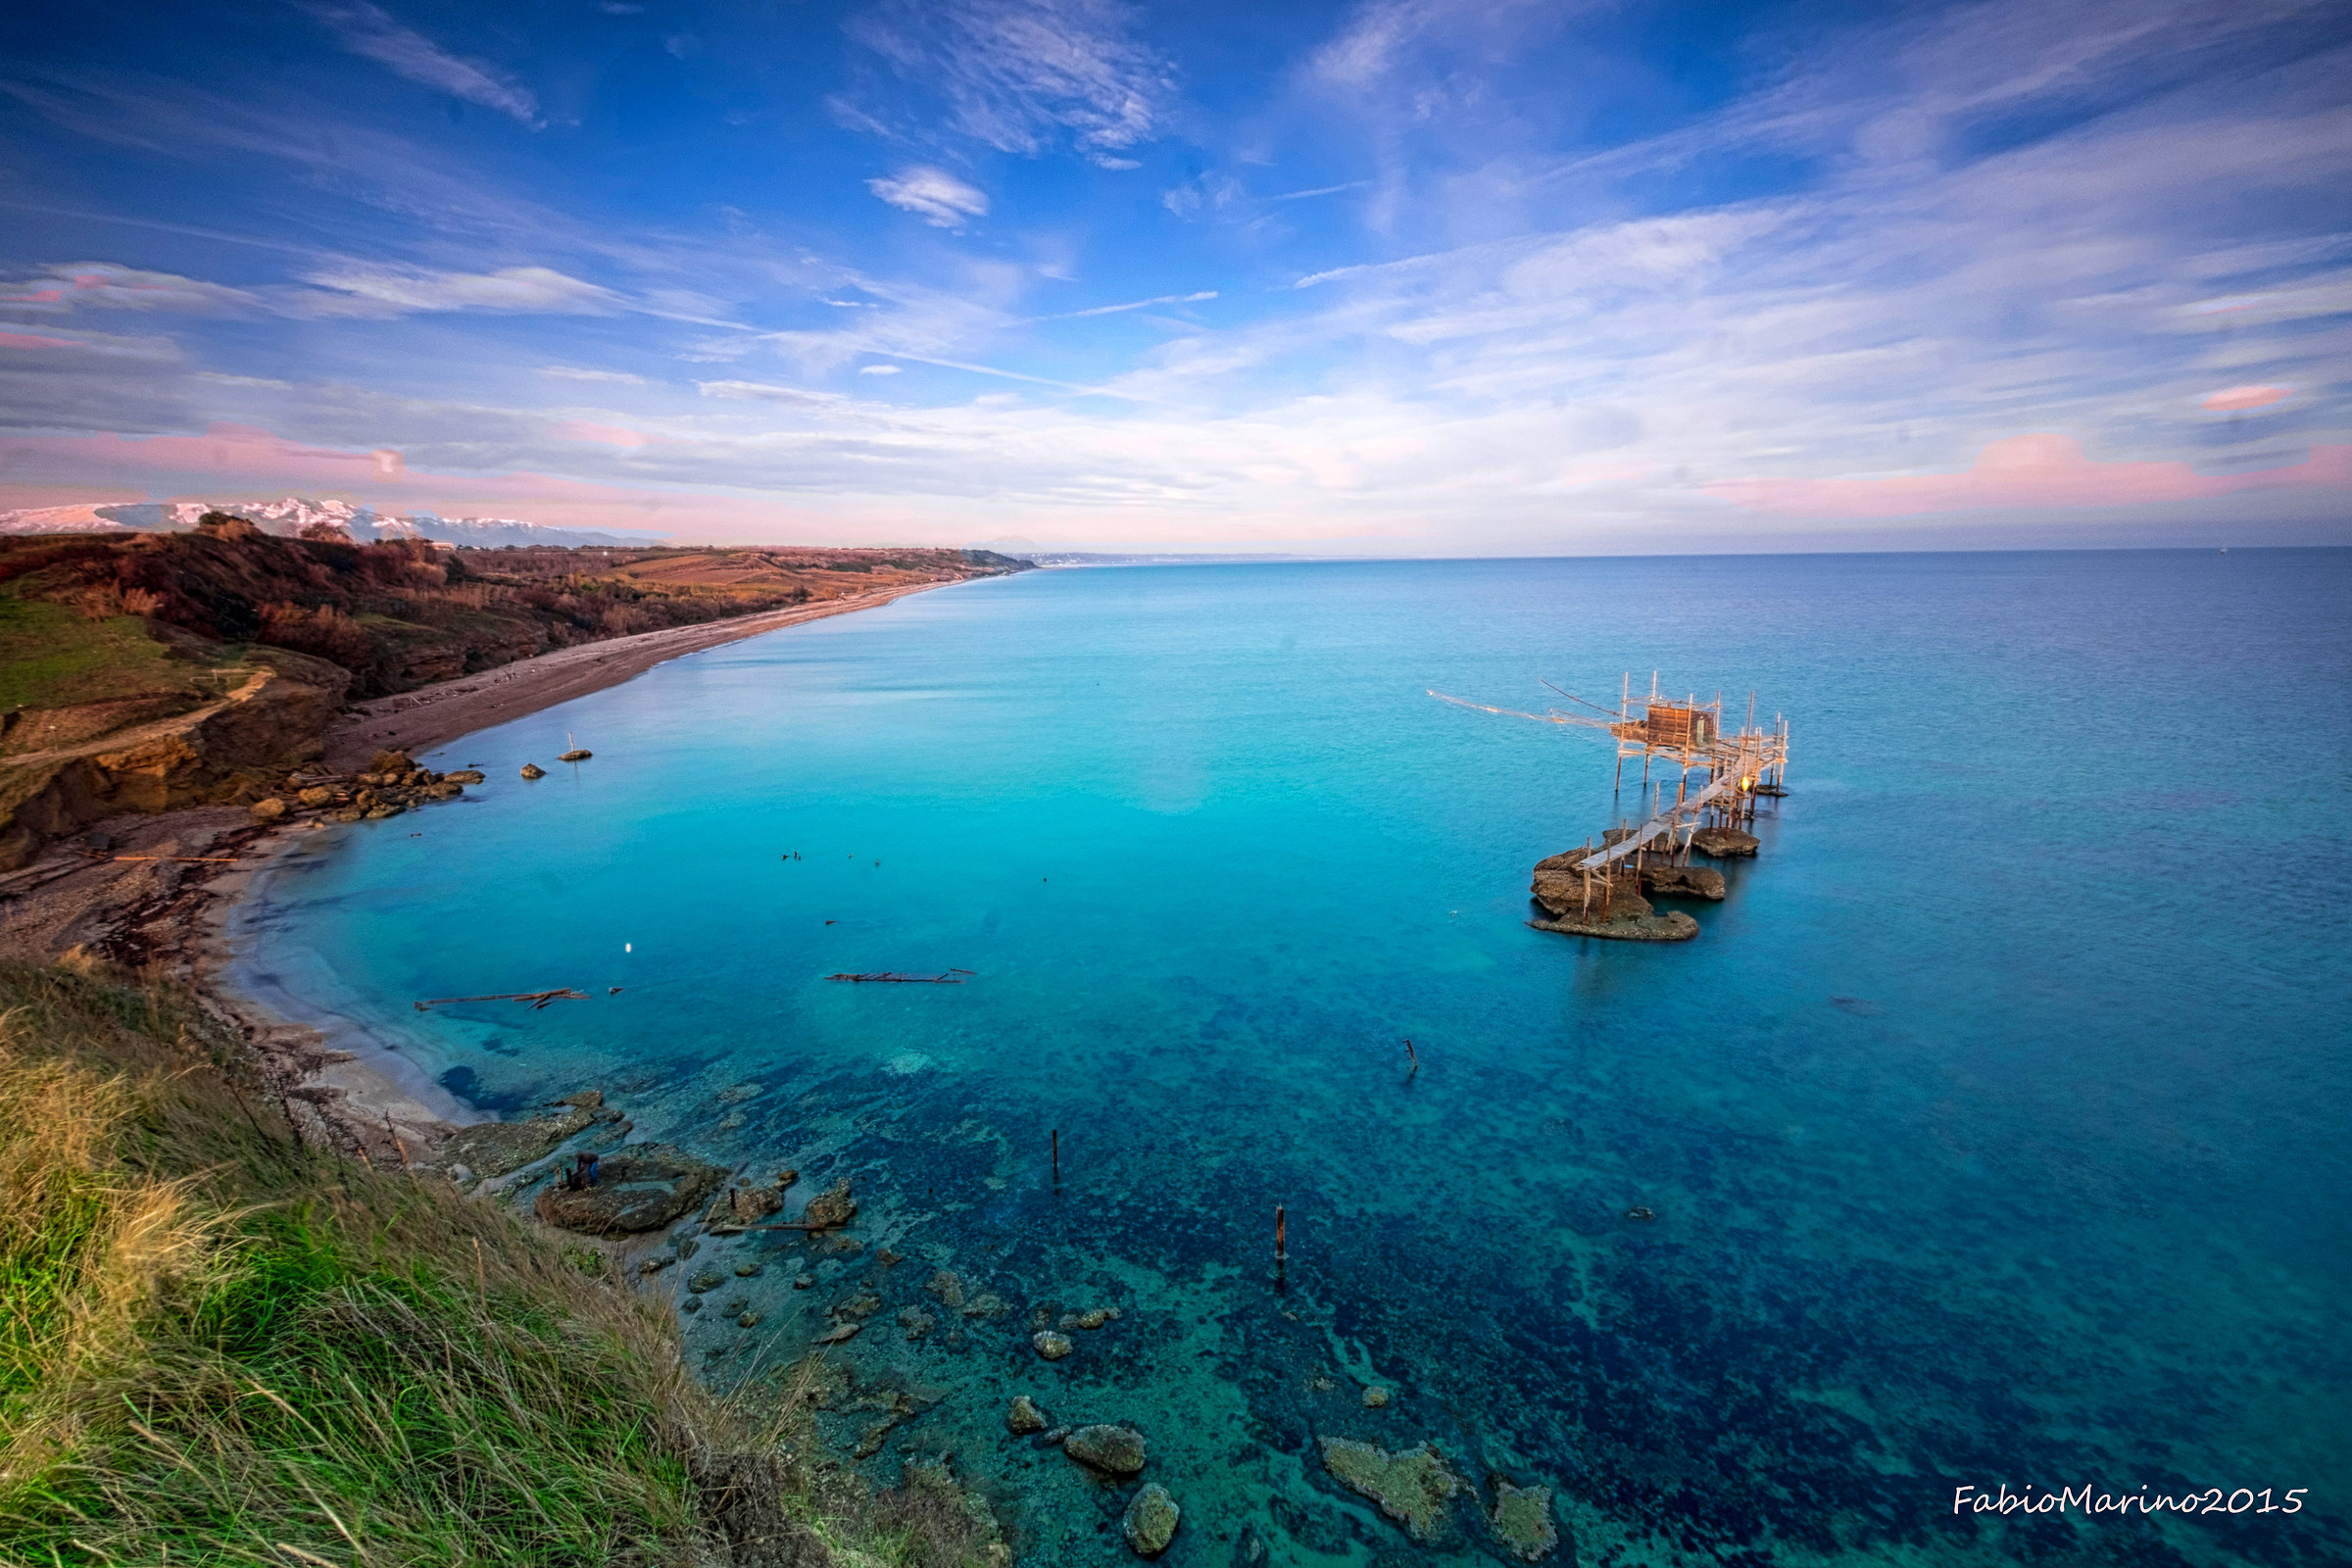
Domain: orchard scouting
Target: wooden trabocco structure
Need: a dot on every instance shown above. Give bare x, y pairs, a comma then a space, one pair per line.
1718, 778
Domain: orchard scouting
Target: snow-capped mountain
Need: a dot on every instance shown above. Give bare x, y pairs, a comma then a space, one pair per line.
293, 514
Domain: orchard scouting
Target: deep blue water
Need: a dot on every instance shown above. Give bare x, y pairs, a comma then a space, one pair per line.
1994, 1127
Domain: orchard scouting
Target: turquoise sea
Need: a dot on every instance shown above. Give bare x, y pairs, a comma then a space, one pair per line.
1994, 1128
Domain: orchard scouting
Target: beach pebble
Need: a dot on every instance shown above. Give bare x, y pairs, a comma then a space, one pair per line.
748, 1320
656, 1264
1024, 1417
746, 1271
1150, 1520
692, 1303
709, 1279
1113, 1450
1052, 1346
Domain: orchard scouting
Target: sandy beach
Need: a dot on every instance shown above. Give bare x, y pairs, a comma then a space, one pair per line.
418, 721
159, 894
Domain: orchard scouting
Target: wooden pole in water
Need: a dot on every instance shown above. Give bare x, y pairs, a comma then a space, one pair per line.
1280, 1242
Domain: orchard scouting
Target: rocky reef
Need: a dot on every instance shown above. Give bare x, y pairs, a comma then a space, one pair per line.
1522, 1521
1616, 911
1413, 1486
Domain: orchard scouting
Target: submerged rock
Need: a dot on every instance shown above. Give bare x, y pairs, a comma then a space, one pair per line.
1113, 1450
533, 770
495, 1147
1724, 843
1522, 1521
839, 1334
639, 1187
1049, 1344
1413, 1488
1150, 1520
831, 1208
1375, 1397
1092, 1318
916, 1321
1024, 1417
947, 1287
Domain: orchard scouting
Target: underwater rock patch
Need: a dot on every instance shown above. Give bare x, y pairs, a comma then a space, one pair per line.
639, 1187
1522, 1521
1113, 1450
1411, 1487
1024, 1417
1150, 1520
1049, 1344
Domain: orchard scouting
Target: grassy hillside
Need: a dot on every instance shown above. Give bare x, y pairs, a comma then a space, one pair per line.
218, 1347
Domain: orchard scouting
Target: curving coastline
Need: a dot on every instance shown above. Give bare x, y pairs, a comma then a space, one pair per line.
178, 903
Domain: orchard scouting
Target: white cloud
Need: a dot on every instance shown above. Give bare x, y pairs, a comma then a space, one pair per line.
365, 29
566, 373
762, 392
1019, 73
878, 369
934, 195
514, 290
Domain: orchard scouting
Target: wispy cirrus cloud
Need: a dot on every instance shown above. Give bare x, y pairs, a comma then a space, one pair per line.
368, 30
933, 195
1021, 75
510, 290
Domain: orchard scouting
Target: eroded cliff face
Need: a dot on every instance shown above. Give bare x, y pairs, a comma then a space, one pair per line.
64, 768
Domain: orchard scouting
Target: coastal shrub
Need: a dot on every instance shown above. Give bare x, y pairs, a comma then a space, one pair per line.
218, 1346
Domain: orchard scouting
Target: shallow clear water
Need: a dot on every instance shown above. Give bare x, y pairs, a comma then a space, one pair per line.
1994, 1127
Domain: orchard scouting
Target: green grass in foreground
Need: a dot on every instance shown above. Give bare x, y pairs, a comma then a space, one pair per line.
219, 1348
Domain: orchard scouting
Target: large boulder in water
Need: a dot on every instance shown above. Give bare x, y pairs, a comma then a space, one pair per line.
1683, 881
1150, 1520
1113, 1450
1723, 843
831, 1208
639, 1187
495, 1147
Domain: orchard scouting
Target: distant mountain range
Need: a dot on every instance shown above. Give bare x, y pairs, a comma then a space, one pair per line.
290, 516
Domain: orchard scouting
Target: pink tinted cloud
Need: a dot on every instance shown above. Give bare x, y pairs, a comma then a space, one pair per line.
27, 340
2229, 399
2027, 471
607, 435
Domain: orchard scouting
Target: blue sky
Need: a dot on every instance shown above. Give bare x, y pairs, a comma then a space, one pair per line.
1392, 277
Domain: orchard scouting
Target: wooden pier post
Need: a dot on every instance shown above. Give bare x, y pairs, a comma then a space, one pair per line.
1280, 1240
